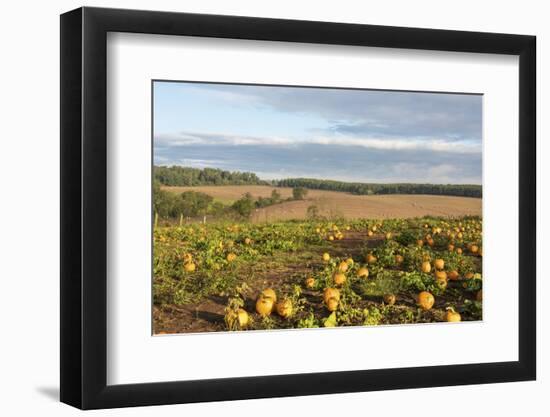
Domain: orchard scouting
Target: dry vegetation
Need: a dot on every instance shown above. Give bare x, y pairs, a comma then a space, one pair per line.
337, 204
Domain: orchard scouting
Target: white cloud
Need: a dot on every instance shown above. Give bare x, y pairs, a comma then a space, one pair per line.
389, 144
200, 163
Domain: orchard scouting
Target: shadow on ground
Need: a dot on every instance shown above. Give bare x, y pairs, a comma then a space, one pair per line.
50, 392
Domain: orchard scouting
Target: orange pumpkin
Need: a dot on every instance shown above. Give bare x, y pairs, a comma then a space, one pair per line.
331, 293
284, 308
452, 315
389, 299
371, 258
441, 275
426, 267
190, 267
343, 266
339, 278
363, 272
269, 293
242, 317
332, 304
264, 306
425, 300
453, 275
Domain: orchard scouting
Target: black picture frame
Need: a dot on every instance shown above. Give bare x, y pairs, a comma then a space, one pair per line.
84, 207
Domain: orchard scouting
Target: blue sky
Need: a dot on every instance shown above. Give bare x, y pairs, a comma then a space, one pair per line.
348, 135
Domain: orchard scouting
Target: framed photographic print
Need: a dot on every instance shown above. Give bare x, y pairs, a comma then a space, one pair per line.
258, 207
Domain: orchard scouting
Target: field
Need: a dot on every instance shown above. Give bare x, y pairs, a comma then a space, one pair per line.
338, 204
300, 207
321, 273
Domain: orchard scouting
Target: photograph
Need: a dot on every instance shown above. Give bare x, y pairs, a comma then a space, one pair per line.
295, 207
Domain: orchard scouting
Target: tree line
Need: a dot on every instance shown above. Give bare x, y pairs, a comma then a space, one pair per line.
187, 177
247, 203
167, 204
189, 204
462, 190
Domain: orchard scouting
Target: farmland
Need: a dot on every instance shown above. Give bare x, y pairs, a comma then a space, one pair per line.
290, 207
322, 272
340, 204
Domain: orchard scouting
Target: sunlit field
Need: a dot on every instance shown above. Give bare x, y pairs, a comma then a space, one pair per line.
305, 274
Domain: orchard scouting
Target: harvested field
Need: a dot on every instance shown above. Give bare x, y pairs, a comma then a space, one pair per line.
334, 204
227, 194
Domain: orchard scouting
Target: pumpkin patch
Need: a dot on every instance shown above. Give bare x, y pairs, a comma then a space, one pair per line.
292, 275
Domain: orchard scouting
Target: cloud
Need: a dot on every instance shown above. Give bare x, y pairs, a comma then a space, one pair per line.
196, 163
389, 144
366, 112
344, 163
349, 135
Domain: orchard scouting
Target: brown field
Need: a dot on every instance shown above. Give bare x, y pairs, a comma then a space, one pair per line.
227, 194
337, 204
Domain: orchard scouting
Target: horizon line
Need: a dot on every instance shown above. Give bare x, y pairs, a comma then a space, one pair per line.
318, 179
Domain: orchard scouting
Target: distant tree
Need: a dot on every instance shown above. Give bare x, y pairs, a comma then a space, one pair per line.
164, 204
275, 196
263, 202
163, 201
299, 193
244, 205
216, 209
185, 176
465, 190
193, 203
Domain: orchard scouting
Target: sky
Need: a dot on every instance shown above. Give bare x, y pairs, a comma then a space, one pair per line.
340, 134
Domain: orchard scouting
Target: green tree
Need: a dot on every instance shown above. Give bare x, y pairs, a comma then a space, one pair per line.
244, 205
185, 176
275, 196
193, 203
299, 193
216, 209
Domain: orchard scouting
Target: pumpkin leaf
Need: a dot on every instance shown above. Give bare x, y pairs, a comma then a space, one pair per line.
331, 320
